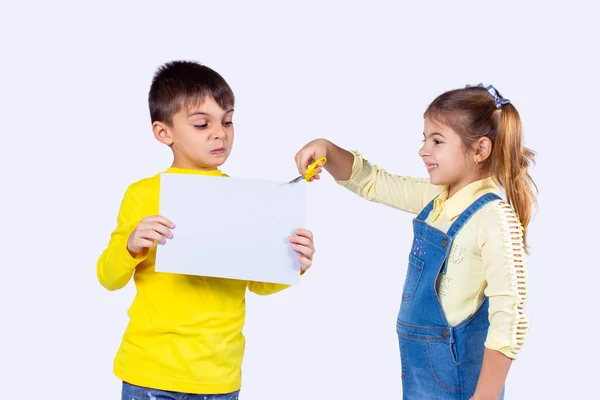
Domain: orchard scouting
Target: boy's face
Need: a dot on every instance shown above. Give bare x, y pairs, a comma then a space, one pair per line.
200, 136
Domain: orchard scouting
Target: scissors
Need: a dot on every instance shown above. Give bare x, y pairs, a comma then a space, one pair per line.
310, 171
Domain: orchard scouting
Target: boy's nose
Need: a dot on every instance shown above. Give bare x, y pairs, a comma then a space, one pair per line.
220, 133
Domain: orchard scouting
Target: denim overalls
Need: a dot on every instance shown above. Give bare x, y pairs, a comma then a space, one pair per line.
438, 361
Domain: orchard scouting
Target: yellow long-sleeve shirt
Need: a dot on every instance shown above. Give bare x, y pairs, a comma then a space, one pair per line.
185, 332
487, 256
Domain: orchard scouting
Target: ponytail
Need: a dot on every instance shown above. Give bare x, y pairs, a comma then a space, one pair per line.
511, 163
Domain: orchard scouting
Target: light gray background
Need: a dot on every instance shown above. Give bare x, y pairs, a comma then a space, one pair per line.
76, 131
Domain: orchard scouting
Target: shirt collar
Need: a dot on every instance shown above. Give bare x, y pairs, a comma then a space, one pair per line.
173, 170
462, 199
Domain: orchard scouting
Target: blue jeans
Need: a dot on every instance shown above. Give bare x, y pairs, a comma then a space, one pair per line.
132, 392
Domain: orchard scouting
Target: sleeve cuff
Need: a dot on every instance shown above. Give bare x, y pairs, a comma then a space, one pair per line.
130, 260
494, 344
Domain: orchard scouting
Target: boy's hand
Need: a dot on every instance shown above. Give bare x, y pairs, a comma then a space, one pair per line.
302, 242
309, 153
149, 232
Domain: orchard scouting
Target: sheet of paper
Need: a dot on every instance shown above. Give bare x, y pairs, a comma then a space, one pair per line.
231, 228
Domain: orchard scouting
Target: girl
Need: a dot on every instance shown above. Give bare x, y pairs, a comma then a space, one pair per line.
461, 321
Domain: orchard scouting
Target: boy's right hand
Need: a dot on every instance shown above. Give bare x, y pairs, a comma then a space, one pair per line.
309, 153
149, 232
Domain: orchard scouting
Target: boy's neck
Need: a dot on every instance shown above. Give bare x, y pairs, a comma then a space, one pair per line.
187, 165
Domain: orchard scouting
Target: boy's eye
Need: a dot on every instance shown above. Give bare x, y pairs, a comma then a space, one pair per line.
200, 126
227, 123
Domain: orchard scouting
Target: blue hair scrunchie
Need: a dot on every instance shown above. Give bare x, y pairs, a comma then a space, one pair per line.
500, 101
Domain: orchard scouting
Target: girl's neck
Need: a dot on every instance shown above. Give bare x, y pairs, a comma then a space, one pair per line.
454, 188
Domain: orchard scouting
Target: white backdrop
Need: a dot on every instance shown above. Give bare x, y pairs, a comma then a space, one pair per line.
76, 131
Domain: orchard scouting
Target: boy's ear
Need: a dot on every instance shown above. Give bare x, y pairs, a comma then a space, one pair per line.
161, 133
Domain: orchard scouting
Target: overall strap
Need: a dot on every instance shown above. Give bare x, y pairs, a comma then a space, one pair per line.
469, 212
425, 212
465, 216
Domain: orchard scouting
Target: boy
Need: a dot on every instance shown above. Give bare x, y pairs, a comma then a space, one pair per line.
184, 339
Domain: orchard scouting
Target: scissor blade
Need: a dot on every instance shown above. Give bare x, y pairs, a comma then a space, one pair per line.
298, 179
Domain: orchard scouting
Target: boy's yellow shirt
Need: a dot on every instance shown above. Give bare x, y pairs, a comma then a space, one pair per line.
185, 332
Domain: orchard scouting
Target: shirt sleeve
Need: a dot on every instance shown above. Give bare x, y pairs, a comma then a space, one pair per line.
115, 266
503, 257
377, 185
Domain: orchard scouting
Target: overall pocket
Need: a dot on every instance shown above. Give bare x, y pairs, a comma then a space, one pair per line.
443, 365
413, 276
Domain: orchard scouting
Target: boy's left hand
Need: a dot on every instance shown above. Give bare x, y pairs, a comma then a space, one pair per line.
302, 242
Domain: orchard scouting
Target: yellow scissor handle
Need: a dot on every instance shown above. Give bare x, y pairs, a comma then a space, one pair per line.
310, 172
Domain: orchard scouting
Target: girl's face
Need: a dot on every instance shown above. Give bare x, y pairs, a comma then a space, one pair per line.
446, 158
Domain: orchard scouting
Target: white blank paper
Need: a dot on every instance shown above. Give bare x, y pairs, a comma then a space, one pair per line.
231, 228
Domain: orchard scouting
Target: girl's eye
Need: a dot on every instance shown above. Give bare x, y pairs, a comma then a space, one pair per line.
436, 141
228, 123
200, 126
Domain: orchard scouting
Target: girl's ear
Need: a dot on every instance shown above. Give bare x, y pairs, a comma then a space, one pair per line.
483, 150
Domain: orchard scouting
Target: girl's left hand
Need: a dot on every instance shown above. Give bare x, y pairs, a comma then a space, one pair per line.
302, 242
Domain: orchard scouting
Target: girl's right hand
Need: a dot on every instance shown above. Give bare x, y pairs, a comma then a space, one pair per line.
309, 153
149, 232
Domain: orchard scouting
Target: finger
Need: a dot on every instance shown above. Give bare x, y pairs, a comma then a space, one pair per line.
163, 230
303, 250
298, 160
317, 174
305, 263
145, 243
305, 160
300, 240
156, 226
160, 219
304, 233
152, 235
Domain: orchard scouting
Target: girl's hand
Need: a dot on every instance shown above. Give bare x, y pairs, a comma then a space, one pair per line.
302, 242
309, 153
